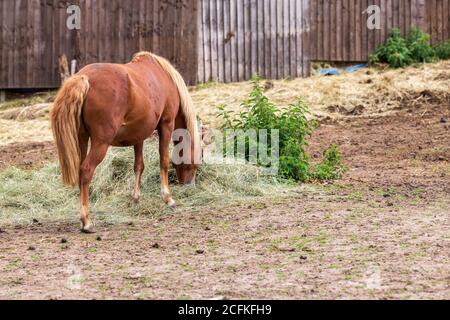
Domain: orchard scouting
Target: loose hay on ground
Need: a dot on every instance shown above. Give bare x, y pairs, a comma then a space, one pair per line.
30, 112
27, 195
365, 92
36, 130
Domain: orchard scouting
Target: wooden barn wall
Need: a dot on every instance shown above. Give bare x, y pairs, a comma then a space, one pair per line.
438, 20
223, 40
339, 27
34, 34
238, 38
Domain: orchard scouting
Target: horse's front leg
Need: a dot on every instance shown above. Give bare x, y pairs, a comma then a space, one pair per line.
138, 169
165, 136
96, 155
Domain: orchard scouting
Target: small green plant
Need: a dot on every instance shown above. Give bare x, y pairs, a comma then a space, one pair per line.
395, 51
400, 52
419, 43
293, 128
330, 167
443, 50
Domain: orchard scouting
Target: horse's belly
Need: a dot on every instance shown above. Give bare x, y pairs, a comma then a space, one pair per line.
133, 134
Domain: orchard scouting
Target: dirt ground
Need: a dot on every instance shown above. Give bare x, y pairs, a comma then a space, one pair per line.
382, 232
27, 155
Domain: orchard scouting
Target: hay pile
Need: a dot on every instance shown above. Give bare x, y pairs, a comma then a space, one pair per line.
39, 194
367, 92
31, 112
36, 130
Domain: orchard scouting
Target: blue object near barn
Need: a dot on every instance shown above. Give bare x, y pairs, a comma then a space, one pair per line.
329, 72
335, 71
356, 67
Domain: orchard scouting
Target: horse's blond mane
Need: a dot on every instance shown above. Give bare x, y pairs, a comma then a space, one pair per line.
137, 57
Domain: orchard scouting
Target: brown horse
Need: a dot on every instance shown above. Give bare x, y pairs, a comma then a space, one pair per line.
122, 105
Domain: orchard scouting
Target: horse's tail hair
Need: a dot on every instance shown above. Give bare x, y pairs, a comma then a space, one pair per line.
187, 105
65, 119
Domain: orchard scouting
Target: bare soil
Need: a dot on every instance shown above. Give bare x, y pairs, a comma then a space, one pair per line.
382, 232
27, 155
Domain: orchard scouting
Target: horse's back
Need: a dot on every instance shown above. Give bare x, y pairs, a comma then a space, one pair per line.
125, 102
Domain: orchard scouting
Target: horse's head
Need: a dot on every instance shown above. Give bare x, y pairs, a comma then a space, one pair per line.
187, 169
186, 173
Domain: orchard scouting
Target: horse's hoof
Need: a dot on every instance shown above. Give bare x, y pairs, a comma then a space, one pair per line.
136, 200
89, 229
173, 206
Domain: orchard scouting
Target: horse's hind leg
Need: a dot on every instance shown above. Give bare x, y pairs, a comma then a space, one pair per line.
165, 136
96, 155
138, 169
83, 140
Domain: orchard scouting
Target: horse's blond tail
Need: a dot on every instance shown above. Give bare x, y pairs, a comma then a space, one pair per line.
65, 118
187, 105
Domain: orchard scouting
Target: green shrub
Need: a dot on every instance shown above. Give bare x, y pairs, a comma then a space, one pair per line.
330, 167
395, 51
419, 43
291, 122
400, 52
443, 50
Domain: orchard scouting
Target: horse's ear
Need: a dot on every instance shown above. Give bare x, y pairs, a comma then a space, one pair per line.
199, 125
206, 135
201, 132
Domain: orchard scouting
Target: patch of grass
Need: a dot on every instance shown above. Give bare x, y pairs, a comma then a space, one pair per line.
39, 194
331, 167
14, 265
302, 243
92, 250
187, 267
281, 275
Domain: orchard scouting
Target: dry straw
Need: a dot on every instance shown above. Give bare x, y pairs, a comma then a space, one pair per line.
366, 93
25, 195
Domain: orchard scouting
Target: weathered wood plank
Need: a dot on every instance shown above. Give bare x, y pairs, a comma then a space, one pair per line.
234, 41
338, 30
220, 41
241, 39
207, 36
8, 21
306, 27
292, 39
285, 40
214, 41
280, 44
253, 30
299, 29
247, 40
267, 39
260, 39
200, 44
227, 40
